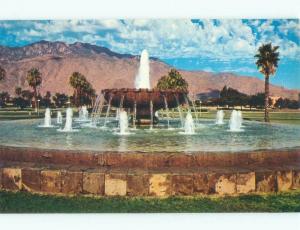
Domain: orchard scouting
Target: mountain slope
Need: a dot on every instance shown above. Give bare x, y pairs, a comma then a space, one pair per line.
107, 69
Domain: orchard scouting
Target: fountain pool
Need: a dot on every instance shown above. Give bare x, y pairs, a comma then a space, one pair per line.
208, 137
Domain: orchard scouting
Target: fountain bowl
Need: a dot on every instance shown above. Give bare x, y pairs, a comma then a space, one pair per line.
128, 97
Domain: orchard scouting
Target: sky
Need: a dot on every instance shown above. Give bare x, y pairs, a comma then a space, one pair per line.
225, 45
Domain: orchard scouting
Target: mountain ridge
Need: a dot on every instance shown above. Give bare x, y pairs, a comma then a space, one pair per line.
107, 69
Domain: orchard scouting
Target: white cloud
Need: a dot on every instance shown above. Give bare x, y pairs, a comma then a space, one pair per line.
167, 38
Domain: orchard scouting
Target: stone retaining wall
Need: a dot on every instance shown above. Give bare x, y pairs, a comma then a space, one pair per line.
145, 183
153, 174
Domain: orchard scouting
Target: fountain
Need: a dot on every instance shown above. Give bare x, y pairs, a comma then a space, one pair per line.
47, 119
235, 122
142, 80
83, 114
189, 127
69, 120
123, 123
220, 117
143, 101
59, 118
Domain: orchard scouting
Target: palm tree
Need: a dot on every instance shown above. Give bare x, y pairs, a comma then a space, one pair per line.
2, 73
78, 82
267, 63
34, 79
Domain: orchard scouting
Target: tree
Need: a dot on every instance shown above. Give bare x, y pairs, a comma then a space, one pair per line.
2, 74
267, 63
60, 100
173, 80
77, 81
18, 91
4, 98
34, 79
83, 90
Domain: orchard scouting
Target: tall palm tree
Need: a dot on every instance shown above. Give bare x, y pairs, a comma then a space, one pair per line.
78, 82
34, 79
2, 73
267, 63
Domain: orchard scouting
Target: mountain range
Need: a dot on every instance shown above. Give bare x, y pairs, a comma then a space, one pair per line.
107, 69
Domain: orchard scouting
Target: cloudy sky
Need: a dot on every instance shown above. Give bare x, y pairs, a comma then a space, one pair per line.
210, 45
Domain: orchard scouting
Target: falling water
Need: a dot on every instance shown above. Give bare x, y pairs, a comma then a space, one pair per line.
83, 113
220, 117
189, 127
134, 115
117, 113
151, 112
107, 110
59, 118
97, 110
142, 80
123, 123
167, 111
235, 121
195, 111
179, 110
68, 125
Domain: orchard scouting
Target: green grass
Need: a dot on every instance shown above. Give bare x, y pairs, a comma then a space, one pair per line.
21, 202
288, 117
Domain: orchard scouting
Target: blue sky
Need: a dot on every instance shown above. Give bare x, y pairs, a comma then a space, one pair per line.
210, 45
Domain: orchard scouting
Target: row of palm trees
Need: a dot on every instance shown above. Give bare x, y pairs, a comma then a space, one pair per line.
267, 59
83, 90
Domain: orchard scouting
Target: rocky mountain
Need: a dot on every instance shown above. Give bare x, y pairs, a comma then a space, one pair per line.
107, 69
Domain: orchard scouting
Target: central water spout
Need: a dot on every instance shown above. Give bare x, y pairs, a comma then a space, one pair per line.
142, 80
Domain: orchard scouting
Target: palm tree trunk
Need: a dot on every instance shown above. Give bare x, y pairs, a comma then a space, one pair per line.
267, 119
35, 99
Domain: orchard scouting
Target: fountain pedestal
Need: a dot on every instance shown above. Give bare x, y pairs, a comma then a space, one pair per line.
144, 101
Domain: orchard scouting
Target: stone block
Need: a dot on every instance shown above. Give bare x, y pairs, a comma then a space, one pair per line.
137, 185
31, 179
265, 182
160, 185
212, 179
284, 180
182, 184
72, 182
201, 185
115, 185
11, 178
93, 183
245, 182
51, 181
296, 180
226, 184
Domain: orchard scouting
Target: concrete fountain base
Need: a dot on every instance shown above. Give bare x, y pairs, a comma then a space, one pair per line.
148, 174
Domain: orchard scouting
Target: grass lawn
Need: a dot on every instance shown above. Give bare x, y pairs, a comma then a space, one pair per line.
21, 202
289, 117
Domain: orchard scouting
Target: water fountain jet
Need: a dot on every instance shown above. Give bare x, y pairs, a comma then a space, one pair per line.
220, 117
235, 122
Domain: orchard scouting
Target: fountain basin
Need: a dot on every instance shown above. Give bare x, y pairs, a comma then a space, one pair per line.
141, 98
